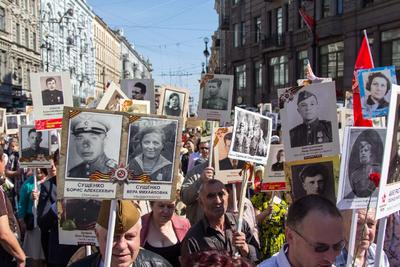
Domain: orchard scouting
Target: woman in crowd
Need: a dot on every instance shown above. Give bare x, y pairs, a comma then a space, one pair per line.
189, 145
378, 86
163, 231
150, 162
173, 105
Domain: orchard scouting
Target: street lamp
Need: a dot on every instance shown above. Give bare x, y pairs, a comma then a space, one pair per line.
202, 68
205, 52
47, 46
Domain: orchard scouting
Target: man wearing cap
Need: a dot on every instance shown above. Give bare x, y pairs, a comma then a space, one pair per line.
313, 130
90, 134
34, 149
126, 250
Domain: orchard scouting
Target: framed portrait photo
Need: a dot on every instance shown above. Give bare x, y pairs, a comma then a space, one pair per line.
251, 136
362, 156
375, 90
135, 106
174, 102
274, 175
152, 157
215, 98
12, 124
34, 147
112, 98
140, 89
2, 119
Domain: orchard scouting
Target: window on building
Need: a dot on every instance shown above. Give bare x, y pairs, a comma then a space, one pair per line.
240, 77
242, 33
257, 32
302, 59
258, 69
33, 7
325, 6
391, 49
2, 19
236, 34
279, 71
279, 21
300, 22
26, 38
17, 33
34, 41
331, 62
339, 5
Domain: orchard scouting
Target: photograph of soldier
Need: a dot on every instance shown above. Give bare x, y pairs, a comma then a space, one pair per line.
215, 96
174, 102
313, 178
394, 165
227, 163
312, 130
151, 148
138, 91
52, 94
280, 161
365, 158
33, 144
89, 136
12, 122
79, 214
22, 120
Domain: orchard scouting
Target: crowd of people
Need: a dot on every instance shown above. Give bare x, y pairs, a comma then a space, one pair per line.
198, 228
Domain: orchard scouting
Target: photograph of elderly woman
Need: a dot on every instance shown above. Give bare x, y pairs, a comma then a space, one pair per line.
151, 148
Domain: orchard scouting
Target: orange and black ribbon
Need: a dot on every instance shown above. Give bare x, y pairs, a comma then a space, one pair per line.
97, 175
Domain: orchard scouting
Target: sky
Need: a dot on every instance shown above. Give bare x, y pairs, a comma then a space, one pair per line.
168, 32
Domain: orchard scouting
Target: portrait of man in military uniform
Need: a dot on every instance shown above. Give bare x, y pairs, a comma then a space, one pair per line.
214, 97
89, 135
34, 139
51, 95
79, 214
312, 130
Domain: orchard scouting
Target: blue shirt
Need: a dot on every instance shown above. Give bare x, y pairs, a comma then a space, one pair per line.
277, 260
370, 261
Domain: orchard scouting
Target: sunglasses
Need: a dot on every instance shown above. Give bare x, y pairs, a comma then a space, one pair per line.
205, 148
321, 247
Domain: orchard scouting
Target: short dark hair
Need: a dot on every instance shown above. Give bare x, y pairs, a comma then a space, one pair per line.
374, 75
51, 79
211, 182
142, 87
214, 258
313, 170
217, 81
33, 130
304, 205
148, 130
44, 170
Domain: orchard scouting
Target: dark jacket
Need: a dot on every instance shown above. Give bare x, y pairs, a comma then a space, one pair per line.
145, 258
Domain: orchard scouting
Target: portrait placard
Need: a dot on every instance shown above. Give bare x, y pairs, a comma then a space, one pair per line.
362, 156
309, 121
314, 176
140, 89
111, 99
375, 90
152, 157
226, 169
174, 102
274, 117
29, 115
90, 151
34, 147
2, 119
76, 221
12, 124
215, 99
274, 174
135, 106
251, 136
348, 101
389, 186
193, 123
51, 91
22, 120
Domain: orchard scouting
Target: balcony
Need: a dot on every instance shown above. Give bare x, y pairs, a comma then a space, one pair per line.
274, 41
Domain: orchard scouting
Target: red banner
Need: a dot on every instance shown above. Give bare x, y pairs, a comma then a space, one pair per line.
277, 186
51, 124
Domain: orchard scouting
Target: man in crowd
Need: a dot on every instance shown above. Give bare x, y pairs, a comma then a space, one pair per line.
90, 135
313, 130
218, 229
34, 139
126, 250
314, 234
51, 95
214, 100
138, 91
204, 148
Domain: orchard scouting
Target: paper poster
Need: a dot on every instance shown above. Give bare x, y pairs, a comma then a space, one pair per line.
2, 119
135, 106
111, 99
215, 98
251, 136
34, 148
274, 174
309, 121
12, 124
140, 89
362, 156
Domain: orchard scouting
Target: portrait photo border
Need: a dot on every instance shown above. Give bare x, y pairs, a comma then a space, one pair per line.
105, 100
13, 130
185, 103
151, 96
29, 163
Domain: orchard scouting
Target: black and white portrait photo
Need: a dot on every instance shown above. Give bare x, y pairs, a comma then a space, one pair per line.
94, 144
152, 148
394, 164
375, 90
34, 144
362, 155
309, 122
215, 95
79, 214
251, 136
52, 93
274, 117
139, 89
22, 119
174, 102
11, 124
313, 178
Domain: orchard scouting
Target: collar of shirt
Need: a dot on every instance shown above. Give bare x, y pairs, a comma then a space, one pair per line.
229, 223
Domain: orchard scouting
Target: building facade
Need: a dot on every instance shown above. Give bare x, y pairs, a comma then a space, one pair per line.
19, 51
108, 56
67, 44
266, 44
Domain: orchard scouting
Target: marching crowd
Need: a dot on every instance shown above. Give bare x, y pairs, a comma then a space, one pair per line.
198, 228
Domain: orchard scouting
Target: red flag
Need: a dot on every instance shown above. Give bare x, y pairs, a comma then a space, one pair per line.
364, 61
308, 20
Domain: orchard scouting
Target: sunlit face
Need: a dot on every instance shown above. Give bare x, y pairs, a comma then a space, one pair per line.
174, 101
125, 247
90, 146
39, 174
378, 88
364, 239
214, 200
308, 108
162, 211
314, 184
212, 88
53, 169
204, 148
34, 140
189, 146
14, 147
152, 145
365, 152
51, 85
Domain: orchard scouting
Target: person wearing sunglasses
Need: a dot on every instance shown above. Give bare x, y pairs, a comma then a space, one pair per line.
364, 244
314, 234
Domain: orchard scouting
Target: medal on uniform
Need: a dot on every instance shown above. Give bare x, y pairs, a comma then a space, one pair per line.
319, 136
